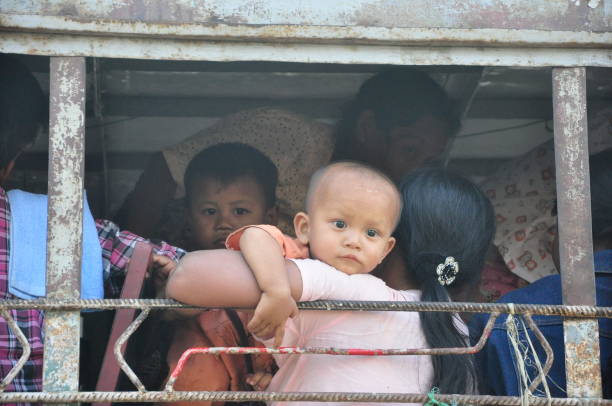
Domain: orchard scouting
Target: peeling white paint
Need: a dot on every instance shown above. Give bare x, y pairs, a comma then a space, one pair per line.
512, 14
311, 33
169, 49
594, 3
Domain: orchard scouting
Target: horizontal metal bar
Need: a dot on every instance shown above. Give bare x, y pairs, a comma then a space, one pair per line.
329, 351
155, 106
346, 53
253, 66
307, 33
239, 396
108, 304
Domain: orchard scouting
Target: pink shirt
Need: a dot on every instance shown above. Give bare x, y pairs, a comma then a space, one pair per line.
338, 373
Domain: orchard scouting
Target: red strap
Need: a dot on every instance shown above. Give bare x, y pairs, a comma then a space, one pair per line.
132, 287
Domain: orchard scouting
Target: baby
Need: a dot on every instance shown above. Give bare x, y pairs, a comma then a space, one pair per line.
351, 213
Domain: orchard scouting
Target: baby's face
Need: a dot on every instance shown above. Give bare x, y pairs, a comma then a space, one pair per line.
216, 210
350, 223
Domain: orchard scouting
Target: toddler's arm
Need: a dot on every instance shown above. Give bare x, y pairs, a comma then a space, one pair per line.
265, 258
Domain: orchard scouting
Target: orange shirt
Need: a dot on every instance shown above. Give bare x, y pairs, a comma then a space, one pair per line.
291, 247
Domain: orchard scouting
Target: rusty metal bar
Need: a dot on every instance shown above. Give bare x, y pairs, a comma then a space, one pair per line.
121, 342
163, 48
241, 396
65, 219
305, 32
574, 225
330, 351
324, 305
550, 355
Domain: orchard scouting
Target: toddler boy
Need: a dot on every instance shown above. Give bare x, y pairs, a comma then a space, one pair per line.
227, 186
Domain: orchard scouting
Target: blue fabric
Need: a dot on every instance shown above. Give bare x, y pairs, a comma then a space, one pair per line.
28, 248
496, 364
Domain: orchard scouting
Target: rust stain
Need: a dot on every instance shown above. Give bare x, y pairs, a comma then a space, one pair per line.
582, 358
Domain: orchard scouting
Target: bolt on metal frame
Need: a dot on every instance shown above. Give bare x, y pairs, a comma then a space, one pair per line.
72, 37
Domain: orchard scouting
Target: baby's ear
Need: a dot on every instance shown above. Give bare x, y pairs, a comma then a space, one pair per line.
388, 248
301, 225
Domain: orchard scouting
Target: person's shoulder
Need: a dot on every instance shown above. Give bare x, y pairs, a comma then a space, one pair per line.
314, 265
317, 275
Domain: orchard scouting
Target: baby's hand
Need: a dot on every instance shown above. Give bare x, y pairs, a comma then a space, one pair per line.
259, 380
270, 316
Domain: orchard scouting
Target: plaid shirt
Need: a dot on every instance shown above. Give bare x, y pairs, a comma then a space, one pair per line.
117, 247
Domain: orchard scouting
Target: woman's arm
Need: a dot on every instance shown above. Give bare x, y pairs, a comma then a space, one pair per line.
221, 278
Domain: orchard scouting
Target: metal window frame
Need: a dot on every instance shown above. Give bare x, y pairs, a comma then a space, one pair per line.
69, 39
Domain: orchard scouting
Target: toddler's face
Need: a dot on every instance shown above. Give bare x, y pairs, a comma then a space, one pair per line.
350, 224
216, 210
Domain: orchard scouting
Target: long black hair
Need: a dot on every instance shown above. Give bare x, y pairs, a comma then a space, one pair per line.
444, 215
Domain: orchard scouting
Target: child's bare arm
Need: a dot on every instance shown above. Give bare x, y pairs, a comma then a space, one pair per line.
265, 258
221, 278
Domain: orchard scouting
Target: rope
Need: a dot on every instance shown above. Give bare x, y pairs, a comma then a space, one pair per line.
537, 362
433, 401
521, 355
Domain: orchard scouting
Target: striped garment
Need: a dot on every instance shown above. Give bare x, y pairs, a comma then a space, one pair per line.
117, 247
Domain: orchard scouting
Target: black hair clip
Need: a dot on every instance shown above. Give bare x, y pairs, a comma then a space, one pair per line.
447, 272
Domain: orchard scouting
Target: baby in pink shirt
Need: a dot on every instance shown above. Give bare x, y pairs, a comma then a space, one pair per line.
351, 212
350, 215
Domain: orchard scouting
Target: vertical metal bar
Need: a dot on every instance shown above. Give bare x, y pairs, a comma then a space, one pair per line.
65, 218
575, 235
